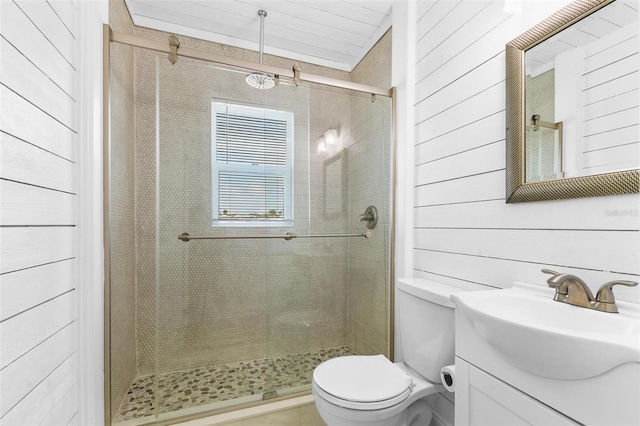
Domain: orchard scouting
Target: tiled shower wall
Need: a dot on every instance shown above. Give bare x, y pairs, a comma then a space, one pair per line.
369, 276
122, 211
218, 298
223, 301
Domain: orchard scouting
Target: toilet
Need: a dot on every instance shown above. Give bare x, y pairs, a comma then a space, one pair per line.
371, 390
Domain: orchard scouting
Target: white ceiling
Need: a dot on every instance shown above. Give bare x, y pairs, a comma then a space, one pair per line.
600, 24
332, 33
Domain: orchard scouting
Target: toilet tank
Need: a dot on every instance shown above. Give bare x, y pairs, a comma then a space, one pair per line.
426, 325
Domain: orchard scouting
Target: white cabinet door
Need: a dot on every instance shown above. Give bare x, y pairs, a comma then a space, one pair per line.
481, 399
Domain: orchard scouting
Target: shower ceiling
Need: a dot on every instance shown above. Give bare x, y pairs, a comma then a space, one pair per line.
332, 33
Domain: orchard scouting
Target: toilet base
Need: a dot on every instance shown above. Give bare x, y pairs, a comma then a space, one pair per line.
334, 415
417, 414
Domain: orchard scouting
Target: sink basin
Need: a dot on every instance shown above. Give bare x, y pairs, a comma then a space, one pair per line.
551, 339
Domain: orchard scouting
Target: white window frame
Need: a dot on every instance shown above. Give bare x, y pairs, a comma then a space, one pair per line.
218, 105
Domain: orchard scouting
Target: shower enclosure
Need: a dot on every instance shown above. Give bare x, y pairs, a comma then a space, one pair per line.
236, 314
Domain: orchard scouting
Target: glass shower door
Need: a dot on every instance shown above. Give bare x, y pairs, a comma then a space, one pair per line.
231, 314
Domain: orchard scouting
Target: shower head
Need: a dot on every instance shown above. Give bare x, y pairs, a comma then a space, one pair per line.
258, 80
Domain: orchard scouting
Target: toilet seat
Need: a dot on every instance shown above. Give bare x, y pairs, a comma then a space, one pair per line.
362, 382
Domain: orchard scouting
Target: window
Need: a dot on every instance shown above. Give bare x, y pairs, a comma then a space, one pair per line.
252, 167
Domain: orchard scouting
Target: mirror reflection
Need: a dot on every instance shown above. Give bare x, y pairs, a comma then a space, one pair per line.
582, 98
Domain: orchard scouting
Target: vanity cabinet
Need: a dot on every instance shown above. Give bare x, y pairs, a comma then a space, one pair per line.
482, 399
516, 364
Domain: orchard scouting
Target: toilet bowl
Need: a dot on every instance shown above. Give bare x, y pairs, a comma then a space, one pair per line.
371, 390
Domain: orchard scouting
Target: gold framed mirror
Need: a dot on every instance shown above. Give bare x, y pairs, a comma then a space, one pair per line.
522, 118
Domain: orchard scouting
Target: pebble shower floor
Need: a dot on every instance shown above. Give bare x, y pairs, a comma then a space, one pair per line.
207, 385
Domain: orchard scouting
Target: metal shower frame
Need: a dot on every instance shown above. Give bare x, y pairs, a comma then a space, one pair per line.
175, 50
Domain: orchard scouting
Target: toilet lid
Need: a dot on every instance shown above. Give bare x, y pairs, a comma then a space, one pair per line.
362, 379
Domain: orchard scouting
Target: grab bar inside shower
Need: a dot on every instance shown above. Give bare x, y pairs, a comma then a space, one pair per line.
288, 236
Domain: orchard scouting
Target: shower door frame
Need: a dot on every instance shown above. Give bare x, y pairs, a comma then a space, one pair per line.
109, 36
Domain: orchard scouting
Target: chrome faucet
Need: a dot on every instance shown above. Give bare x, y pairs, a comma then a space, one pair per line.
572, 290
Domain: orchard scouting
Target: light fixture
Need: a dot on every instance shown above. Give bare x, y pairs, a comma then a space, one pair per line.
322, 145
331, 137
328, 142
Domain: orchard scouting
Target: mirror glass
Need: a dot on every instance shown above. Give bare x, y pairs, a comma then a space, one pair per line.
581, 97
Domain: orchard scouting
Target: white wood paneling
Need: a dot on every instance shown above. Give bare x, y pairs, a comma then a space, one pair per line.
51, 26
20, 75
64, 411
447, 168
532, 245
612, 158
22, 204
21, 290
38, 212
446, 27
612, 104
20, 161
37, 406
483, 186
438, 10
27, 372
483, 131
465, 34
27, 38
472, 53
48, 134
471, 83
22, 333
477, 106
499, 273
463, 229
542, 215
609, 85
26, 247
66, 11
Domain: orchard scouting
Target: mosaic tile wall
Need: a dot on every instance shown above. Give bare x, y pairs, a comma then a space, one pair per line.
369, 272
122, 211
224, 301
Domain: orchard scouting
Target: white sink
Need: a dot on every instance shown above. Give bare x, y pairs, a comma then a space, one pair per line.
533, 332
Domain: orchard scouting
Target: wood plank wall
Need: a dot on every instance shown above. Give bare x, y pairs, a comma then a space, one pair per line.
609, 102
463, 231
38, 212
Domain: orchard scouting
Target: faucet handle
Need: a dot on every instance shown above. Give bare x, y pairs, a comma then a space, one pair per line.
562, 291
605, 301
550, 280
605, 294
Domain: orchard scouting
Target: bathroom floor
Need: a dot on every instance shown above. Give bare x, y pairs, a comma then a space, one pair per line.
189, 388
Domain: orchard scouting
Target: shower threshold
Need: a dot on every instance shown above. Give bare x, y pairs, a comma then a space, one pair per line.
182, 391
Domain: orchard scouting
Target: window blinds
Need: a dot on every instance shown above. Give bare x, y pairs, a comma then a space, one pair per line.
250, 162
250, 140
